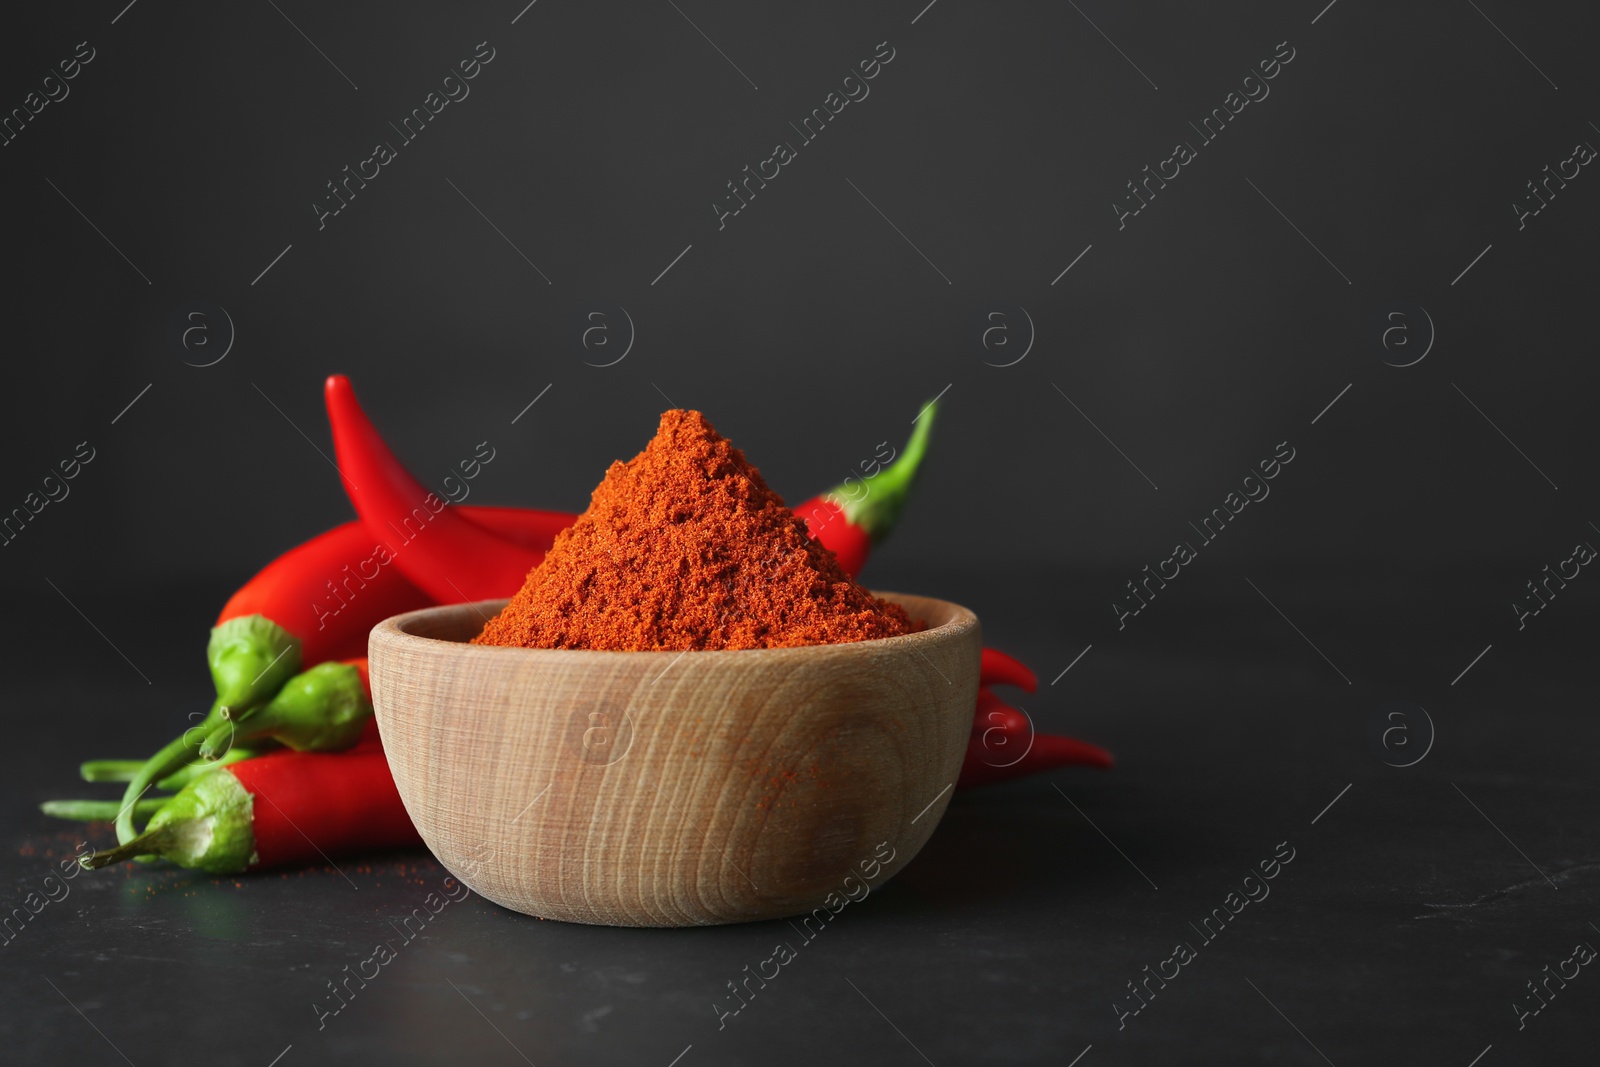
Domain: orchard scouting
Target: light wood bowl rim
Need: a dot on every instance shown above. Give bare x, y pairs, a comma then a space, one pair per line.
960, 619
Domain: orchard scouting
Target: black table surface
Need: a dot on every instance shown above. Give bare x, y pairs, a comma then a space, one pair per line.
1410, 909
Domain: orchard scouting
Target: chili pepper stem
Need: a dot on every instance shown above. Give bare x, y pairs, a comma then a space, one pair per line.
99, 810
123, 770
219, 740
109, 770
149, 843
175, 754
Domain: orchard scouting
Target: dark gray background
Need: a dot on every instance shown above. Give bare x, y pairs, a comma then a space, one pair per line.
1208, 330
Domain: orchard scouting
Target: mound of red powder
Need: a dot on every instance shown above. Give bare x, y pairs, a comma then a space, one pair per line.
685, 547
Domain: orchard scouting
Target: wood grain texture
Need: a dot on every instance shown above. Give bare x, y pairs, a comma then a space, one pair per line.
672, 789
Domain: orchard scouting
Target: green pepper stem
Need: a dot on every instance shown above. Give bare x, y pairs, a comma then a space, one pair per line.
99, 810
123, 770
177, 752
220, 737
888, 490
149, 843
109, 770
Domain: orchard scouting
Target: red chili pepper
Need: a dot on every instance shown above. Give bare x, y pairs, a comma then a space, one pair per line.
825, 520
1003, 745
332, 590
852, 521
445, 555
1047, 752
998, 668
301, 592
282, 809
323, 804
994, 714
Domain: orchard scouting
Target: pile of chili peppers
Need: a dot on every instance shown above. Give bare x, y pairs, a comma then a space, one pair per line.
286, 767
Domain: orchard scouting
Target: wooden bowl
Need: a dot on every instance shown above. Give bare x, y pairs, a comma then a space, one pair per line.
674, 788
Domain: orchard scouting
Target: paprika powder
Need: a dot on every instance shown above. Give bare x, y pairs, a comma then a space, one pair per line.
685, 547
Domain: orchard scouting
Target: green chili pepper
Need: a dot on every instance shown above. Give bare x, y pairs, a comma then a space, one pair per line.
320, 710
251, 657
